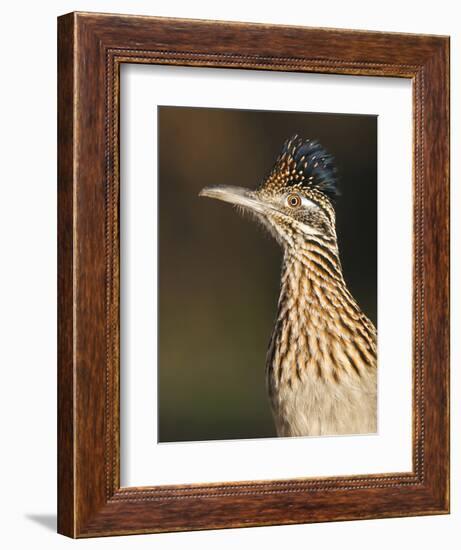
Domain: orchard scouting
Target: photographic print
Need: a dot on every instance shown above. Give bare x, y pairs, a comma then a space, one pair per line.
220, 189
267, 293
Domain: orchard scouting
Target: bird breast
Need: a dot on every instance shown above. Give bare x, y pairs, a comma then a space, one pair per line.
321, 362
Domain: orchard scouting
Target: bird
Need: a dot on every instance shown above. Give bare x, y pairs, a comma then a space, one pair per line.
321, 362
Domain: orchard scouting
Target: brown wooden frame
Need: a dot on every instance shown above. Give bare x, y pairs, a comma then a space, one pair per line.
91, 49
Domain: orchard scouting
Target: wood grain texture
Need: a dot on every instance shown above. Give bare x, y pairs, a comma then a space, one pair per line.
91, 49
66, 108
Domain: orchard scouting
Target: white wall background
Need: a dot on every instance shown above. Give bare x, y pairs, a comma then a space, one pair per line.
28, 273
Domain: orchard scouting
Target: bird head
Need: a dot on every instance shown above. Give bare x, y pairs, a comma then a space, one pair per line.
295, 201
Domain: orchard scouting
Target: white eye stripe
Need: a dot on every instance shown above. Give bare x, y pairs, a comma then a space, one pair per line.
304, 201
307, 202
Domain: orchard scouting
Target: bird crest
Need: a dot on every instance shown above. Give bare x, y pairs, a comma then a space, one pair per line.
306, 164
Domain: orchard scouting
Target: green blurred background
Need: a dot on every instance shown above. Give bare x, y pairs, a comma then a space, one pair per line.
219, 273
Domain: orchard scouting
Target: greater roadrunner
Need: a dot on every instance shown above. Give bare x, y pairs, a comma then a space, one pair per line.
321, 363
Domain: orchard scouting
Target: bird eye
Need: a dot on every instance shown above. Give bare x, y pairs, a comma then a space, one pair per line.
294, 200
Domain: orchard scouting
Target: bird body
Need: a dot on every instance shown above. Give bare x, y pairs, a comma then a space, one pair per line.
321, 367
320, 371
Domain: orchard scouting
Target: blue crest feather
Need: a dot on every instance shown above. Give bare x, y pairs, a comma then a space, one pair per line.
306, 163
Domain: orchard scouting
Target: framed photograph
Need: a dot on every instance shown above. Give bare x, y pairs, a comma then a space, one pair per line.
253, 275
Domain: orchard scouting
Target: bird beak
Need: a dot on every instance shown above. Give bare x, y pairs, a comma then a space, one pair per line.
239, 196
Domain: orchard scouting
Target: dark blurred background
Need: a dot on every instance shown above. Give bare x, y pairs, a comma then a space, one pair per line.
219, 273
